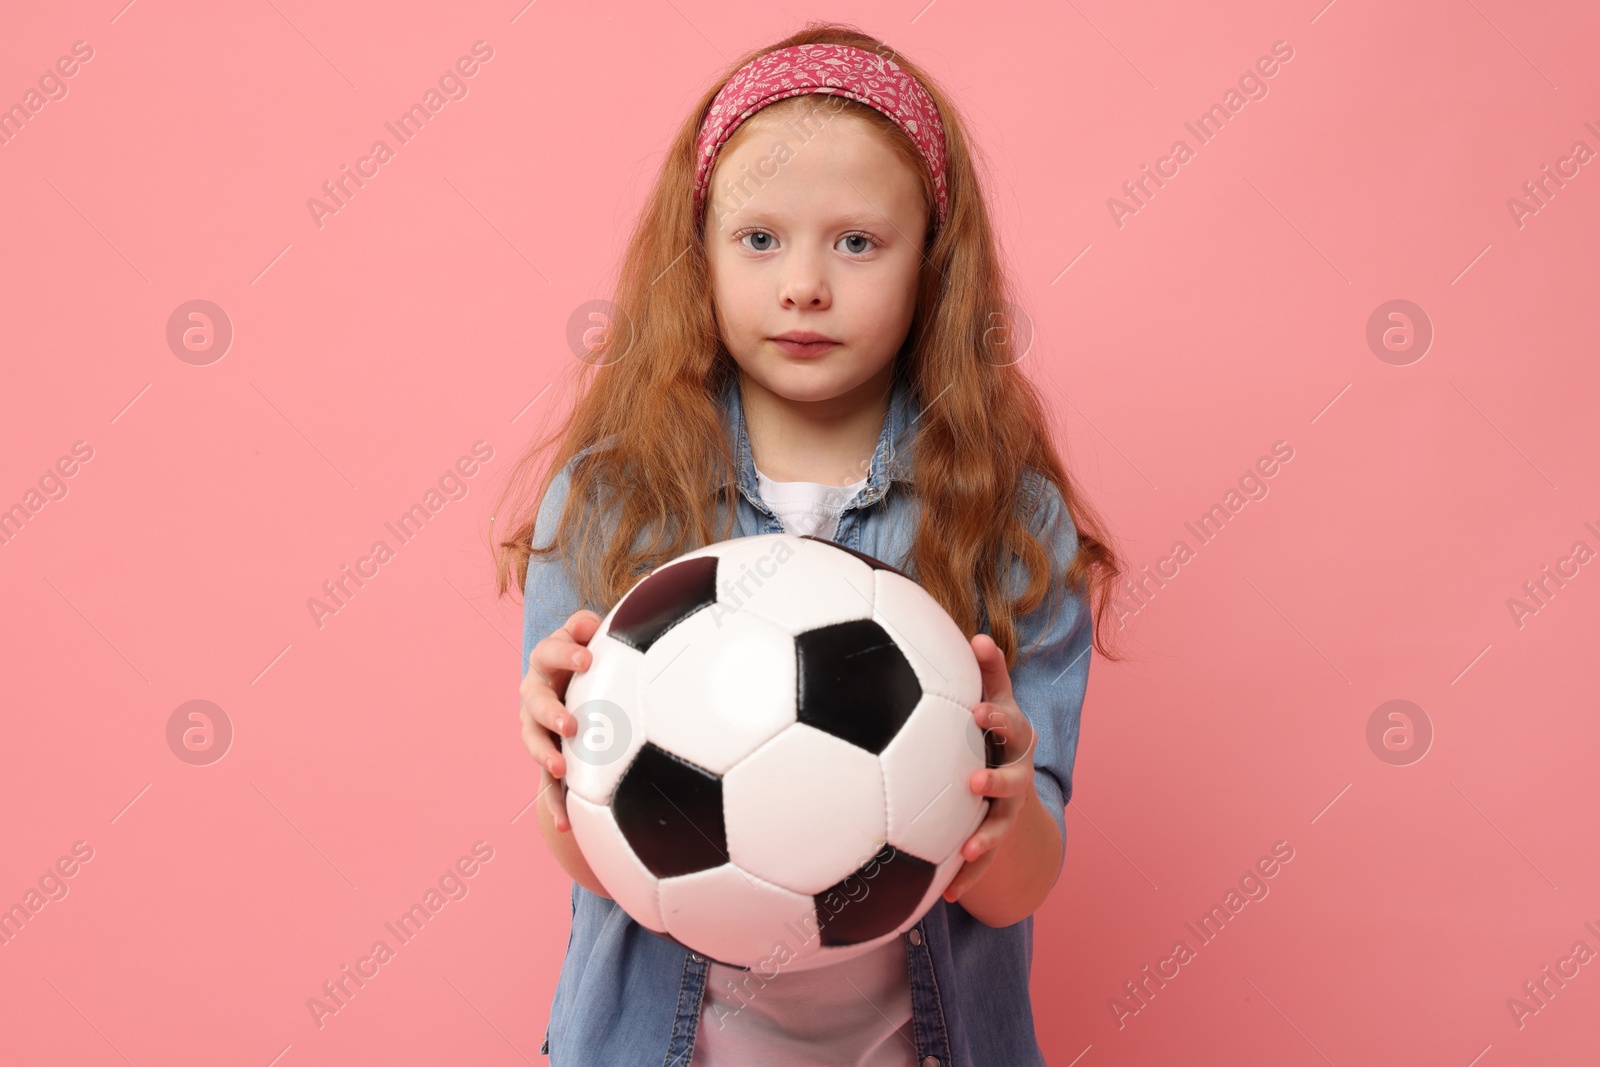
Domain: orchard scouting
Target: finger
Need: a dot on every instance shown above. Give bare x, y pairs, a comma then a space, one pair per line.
992, 668
970, 872
574, 636
564, 651
580, 627
555, 658
558, 806
973, 846
554, 801
546, 723
542, 747
553, 661
583, 625
1005, 781
551, 713
541, 707
992, 832
1011, 727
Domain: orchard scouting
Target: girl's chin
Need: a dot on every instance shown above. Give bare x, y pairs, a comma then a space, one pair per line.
804, 381
805, 376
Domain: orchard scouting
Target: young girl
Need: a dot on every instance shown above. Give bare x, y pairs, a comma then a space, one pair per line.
810, 338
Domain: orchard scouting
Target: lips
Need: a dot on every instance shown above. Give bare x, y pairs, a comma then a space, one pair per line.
804, 348
799, 343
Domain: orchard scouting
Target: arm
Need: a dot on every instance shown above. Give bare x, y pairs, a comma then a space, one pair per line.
1045, 691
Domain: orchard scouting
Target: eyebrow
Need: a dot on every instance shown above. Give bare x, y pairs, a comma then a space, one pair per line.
859, 219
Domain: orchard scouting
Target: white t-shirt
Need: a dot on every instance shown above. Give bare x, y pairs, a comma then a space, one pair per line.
851, 1014
807, 507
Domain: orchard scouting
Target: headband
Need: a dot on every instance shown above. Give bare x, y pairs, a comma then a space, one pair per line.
832, 69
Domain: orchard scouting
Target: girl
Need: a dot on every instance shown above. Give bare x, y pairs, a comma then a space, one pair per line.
809, 338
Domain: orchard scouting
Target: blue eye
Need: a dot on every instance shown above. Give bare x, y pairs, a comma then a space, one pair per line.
864, 242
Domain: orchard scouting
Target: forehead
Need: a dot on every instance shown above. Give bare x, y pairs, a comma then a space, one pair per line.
806, 152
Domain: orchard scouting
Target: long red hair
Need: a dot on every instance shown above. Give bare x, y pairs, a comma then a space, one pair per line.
658, 399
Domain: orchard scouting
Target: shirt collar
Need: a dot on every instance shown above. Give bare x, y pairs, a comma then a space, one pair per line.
891, 459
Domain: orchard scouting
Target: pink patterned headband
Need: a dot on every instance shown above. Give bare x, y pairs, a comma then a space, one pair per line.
834, 69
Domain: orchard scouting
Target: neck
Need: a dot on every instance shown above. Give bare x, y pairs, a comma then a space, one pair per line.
829, 441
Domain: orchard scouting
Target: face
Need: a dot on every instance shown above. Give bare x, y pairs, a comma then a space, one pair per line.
821, 236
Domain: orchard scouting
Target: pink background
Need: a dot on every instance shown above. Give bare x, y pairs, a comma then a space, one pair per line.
1229, 313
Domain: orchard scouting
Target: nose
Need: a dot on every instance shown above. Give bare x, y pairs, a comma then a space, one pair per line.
804, 284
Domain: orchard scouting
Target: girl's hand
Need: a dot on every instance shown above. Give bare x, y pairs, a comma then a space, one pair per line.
1008, 783
545, 718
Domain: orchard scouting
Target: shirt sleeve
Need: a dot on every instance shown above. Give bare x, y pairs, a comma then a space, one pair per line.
548, 597
1054, 644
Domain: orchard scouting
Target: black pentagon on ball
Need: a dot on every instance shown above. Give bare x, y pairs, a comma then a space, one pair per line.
871, 902
855, 683
871, 561
670, 812
664, 599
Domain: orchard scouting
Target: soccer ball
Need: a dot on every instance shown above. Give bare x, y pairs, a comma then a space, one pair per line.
775, 737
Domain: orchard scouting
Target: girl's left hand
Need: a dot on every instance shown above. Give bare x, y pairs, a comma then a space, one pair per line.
1007, 784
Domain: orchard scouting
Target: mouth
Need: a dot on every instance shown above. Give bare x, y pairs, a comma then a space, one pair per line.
804, 344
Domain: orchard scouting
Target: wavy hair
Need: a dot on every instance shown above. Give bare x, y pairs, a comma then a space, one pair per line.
668, 443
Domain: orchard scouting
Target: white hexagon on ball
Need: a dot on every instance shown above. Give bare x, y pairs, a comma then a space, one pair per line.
804, 810
713, 693
926, 769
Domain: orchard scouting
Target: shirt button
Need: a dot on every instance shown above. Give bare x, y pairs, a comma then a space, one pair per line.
697, 957
916, 937
930, 1061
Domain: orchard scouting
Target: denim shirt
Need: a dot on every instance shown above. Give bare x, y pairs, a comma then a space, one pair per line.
628, 997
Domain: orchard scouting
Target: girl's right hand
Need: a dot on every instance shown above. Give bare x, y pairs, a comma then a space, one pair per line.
545, 718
